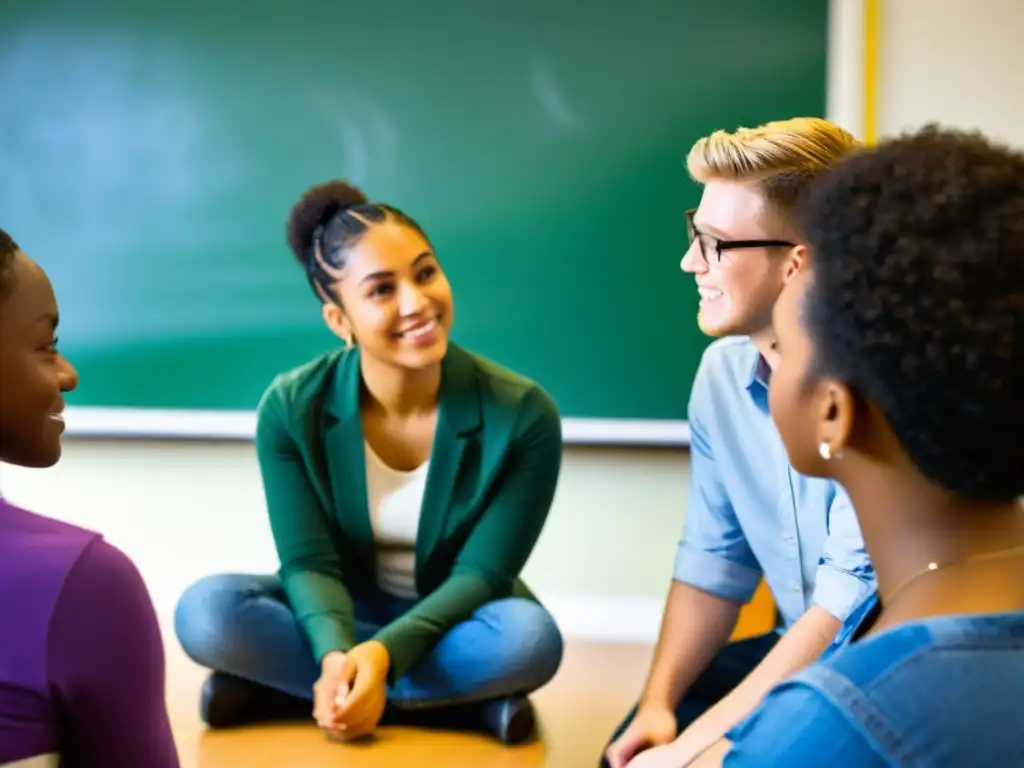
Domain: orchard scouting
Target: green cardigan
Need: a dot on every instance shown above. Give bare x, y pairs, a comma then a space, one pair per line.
494, 466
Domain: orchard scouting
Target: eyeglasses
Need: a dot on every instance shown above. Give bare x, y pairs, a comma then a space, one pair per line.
709, 244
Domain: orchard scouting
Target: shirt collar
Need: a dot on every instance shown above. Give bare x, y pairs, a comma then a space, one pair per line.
760, 375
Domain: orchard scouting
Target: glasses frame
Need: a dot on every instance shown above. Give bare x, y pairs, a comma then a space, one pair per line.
726, 245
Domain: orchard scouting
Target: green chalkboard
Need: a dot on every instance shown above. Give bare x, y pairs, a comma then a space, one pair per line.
150, 153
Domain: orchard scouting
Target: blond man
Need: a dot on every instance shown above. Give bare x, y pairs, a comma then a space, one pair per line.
750, 515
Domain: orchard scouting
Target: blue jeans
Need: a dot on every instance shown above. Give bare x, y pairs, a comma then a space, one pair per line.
243, 625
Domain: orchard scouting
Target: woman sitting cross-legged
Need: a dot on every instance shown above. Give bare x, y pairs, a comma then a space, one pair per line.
407, 481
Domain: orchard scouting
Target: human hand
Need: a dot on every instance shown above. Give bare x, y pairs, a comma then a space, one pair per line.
361, 693
651, 727
330, 689
667, 756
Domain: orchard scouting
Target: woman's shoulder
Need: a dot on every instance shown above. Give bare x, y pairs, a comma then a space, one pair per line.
33, 542
292, 384
862, 691
47, 553
295, 380
925, 646
47, 561
502, 385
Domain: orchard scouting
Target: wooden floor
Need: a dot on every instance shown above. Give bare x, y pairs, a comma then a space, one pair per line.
578, 710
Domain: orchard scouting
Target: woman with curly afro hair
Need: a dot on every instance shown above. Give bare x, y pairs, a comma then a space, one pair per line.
901, 377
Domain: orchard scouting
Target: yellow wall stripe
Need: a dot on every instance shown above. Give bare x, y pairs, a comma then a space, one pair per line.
870, 127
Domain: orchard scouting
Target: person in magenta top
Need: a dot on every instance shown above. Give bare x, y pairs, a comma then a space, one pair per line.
81, 658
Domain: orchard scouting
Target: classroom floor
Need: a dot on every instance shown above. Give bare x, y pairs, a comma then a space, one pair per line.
577, 711
595, 687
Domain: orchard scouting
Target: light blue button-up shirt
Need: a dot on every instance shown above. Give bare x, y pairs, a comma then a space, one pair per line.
750, 513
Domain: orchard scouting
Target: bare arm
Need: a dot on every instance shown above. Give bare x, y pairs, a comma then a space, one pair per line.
844, 579
715, 572
695, 626
805, 641
713, 756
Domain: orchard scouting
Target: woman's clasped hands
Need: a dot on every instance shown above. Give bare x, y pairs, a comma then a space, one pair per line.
349, 697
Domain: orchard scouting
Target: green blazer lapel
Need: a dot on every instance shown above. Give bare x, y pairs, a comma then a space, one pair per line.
346, 454
458, 422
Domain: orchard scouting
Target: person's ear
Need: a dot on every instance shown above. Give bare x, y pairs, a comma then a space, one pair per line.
835, 419
795, 260
338, 323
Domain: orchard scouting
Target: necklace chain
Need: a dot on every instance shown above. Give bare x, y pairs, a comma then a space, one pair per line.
935, 567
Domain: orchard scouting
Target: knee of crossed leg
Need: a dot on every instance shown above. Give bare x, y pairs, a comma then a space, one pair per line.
206, 619
531, 642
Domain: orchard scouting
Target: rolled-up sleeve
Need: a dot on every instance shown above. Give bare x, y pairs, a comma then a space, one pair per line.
714, 555
845, 576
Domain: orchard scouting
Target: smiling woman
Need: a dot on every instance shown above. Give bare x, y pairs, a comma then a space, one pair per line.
377, 263
407, 481
81, 661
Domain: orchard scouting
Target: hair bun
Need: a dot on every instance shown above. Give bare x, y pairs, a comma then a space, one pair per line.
315, 208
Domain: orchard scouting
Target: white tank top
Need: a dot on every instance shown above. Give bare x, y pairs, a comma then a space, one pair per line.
395, 499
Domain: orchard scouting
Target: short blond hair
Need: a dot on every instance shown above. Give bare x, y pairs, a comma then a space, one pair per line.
780, 158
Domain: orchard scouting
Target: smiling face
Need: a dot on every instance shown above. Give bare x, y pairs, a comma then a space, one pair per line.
35, 375
739, 288
395, 302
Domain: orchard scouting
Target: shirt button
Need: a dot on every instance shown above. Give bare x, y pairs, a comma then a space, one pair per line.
798, 587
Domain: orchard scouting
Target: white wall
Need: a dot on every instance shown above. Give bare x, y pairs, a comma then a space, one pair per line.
185, 509
957, 62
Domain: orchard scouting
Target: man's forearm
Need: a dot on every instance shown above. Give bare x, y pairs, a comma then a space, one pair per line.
695, 626
801, 645
713, 756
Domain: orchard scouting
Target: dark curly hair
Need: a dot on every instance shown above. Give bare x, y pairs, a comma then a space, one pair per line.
332, 217
917, 300
8, 249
